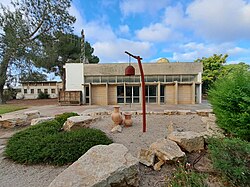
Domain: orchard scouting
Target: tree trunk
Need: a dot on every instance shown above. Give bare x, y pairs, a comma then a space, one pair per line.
3, 75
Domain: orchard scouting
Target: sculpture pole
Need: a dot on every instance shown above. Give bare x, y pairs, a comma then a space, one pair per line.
143, 90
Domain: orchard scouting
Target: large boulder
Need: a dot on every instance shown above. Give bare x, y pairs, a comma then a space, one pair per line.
33, 114
146, 157
189, 141
76, 122
41, 120
101, 166
167, 150
14, 122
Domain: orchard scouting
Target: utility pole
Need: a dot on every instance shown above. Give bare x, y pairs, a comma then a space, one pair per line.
83, 58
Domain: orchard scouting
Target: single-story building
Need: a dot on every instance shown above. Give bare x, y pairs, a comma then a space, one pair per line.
106, 84
31, 89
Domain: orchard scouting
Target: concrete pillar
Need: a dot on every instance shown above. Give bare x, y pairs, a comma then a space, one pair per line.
193, 93
107, 94
176, 92
200, 93
90, 94
159, 93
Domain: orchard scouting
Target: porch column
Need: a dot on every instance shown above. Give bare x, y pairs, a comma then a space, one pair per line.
176, 92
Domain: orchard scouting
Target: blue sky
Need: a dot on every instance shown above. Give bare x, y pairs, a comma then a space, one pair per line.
181, 31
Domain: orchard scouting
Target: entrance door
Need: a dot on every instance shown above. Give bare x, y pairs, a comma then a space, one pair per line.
132, 94
151, 93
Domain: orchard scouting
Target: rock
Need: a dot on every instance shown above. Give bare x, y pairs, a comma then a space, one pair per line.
170, 112
101, 166
167, 150
76, 122
204, 112
116, 128
157, 166
13, 122
32, 115
189, 141
146, 157
183, 112
40, 120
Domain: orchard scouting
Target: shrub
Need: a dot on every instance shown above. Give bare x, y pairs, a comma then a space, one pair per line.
182, 177
45, 143
43, 95
230, 99
61, 118
231, 158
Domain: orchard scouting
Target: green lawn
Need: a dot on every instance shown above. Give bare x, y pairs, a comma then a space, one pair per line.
10, 108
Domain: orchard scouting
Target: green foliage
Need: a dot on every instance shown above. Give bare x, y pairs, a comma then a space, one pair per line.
232, 68
43, 95
45, 143
182, 177
211, 69
230, 99
33, 76
63, 117
60, 49
20, 35
231, 158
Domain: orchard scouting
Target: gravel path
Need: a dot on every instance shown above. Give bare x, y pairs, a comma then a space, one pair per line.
15, 175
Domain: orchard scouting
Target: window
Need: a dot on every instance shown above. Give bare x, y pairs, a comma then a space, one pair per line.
151, 93
45, 90
53, 90
38, 91
25, 91
162, 93
87, 94
32, 91
120, 94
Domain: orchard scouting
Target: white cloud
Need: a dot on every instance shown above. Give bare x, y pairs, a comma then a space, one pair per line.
156, 33
191, 51
114, 51
124, 29
221, 19
78, 25
140, 6
217, 20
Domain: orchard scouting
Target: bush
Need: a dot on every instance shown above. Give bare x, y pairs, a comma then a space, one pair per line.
187, 178
230, 99
43, 95
231, 158
45, 143
61, 118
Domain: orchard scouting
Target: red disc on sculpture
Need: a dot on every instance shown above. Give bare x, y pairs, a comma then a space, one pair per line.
129, 71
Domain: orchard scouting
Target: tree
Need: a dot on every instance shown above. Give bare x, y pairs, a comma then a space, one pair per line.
231, 68
60, 49
22, 29
230, 99
33, 76
212, 67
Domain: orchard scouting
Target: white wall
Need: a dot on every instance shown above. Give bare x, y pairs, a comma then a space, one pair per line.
74, 76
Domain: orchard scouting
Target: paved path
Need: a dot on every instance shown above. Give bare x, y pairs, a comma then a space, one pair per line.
51, 110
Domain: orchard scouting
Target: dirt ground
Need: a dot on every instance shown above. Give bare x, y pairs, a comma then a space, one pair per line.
133, 138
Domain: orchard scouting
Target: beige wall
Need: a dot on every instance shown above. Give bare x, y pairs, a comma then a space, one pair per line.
148, 68
170, 94
184, 94
112, 95
99, 95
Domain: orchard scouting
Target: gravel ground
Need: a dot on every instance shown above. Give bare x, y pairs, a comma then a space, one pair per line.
12, 174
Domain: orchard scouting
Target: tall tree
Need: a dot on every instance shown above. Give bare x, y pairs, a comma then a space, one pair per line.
63, 48
212, 67
22, 28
